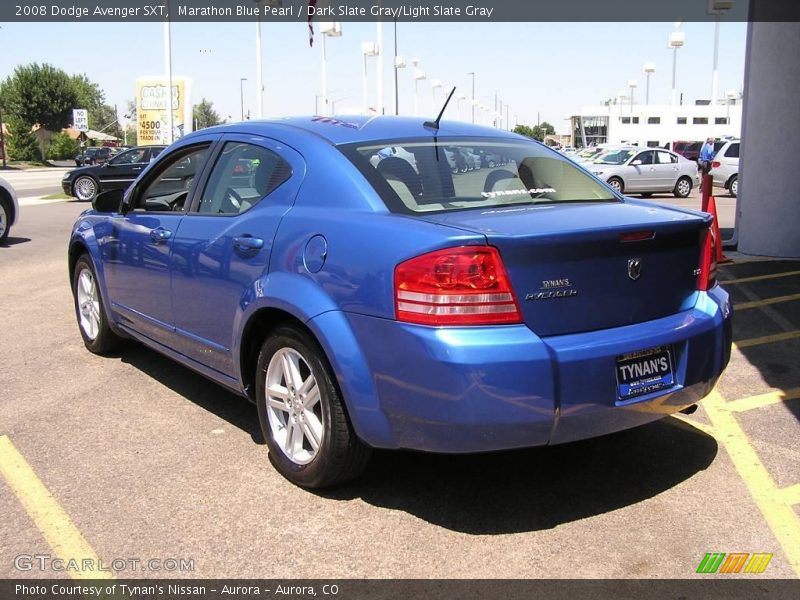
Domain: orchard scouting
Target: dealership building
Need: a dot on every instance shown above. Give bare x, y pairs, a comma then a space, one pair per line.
620, 122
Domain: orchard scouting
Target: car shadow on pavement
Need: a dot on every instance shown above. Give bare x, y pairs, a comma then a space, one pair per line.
540, 488
13, 241
204, 393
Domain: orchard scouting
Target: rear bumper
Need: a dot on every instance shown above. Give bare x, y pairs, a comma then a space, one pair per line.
492, 388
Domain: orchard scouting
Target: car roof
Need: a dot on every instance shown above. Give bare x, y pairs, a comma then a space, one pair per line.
358, 128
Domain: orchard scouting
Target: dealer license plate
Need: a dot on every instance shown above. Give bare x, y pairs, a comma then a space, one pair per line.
644, 372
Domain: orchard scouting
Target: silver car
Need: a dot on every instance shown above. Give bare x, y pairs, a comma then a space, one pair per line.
725, 167
632, 170
9, 209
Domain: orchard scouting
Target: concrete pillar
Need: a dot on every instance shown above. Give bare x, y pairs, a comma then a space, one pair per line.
768, 213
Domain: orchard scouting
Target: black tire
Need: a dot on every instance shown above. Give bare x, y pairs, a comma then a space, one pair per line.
5, 218
733, 186
340, 456
85, 188
616, 183
683, 188
105, 340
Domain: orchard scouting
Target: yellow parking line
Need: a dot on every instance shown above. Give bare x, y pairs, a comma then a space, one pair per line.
57, 528
767, 339
779, 515
762, 400
766, 302
759, 277
791, 494
707, 429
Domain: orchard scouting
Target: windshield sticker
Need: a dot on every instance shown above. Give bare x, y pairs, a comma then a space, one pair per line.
517, 192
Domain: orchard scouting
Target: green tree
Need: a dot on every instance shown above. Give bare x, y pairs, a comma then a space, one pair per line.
20, 142
102, 116
204, 115
61, 146
40, 94
524, 130
536, 132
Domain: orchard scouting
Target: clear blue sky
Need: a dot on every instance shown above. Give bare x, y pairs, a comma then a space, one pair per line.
548, 68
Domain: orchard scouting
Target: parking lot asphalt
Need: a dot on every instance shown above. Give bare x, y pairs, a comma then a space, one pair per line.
134, 457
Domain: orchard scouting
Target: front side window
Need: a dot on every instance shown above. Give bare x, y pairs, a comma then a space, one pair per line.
172, 184
646, 158
463, 173
243, 175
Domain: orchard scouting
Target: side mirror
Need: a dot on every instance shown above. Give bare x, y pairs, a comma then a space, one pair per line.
636, 162
108, 202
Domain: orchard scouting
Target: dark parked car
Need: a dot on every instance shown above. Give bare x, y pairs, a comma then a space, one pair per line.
691, 150
369, 306
118, 173
95, 155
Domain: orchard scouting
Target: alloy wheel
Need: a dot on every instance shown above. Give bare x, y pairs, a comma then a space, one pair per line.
88, 304
3, 220
294, 410
85, 188
684, 188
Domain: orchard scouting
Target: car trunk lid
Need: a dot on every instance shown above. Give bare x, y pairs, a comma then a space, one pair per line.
579, 267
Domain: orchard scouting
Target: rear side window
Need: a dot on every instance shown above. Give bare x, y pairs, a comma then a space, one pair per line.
422, 176
665, 158
732, 151
243, 175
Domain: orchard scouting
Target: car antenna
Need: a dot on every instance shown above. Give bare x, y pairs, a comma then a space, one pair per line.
435, 124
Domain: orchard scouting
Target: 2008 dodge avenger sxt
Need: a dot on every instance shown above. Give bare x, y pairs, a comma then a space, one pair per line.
339, 274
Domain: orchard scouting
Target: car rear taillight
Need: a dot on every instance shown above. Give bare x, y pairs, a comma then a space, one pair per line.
715, 164
707, 277
456, 286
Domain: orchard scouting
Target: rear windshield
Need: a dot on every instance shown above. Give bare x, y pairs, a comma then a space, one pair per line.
418, 176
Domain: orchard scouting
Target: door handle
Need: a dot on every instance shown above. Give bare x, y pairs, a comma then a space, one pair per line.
159, 234
247, 243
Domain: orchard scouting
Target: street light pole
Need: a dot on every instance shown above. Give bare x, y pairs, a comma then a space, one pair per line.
716, 8
379, 56
419, 75
633, 84
327, 29
473, 95
649, 69
241, 93
367, 49
259, 69
398, 64
168, 73
435, 85
676, 40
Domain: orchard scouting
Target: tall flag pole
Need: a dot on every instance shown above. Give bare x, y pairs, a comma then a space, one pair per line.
312, 4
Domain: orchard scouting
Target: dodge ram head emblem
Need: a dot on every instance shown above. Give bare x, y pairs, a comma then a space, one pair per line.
634, 268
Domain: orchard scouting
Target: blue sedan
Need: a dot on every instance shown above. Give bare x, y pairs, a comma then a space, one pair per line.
390, 303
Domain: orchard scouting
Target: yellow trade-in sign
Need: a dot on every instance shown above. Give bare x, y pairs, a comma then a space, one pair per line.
151, 110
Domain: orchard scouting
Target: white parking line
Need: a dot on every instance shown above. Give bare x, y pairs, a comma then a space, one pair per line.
38, 200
